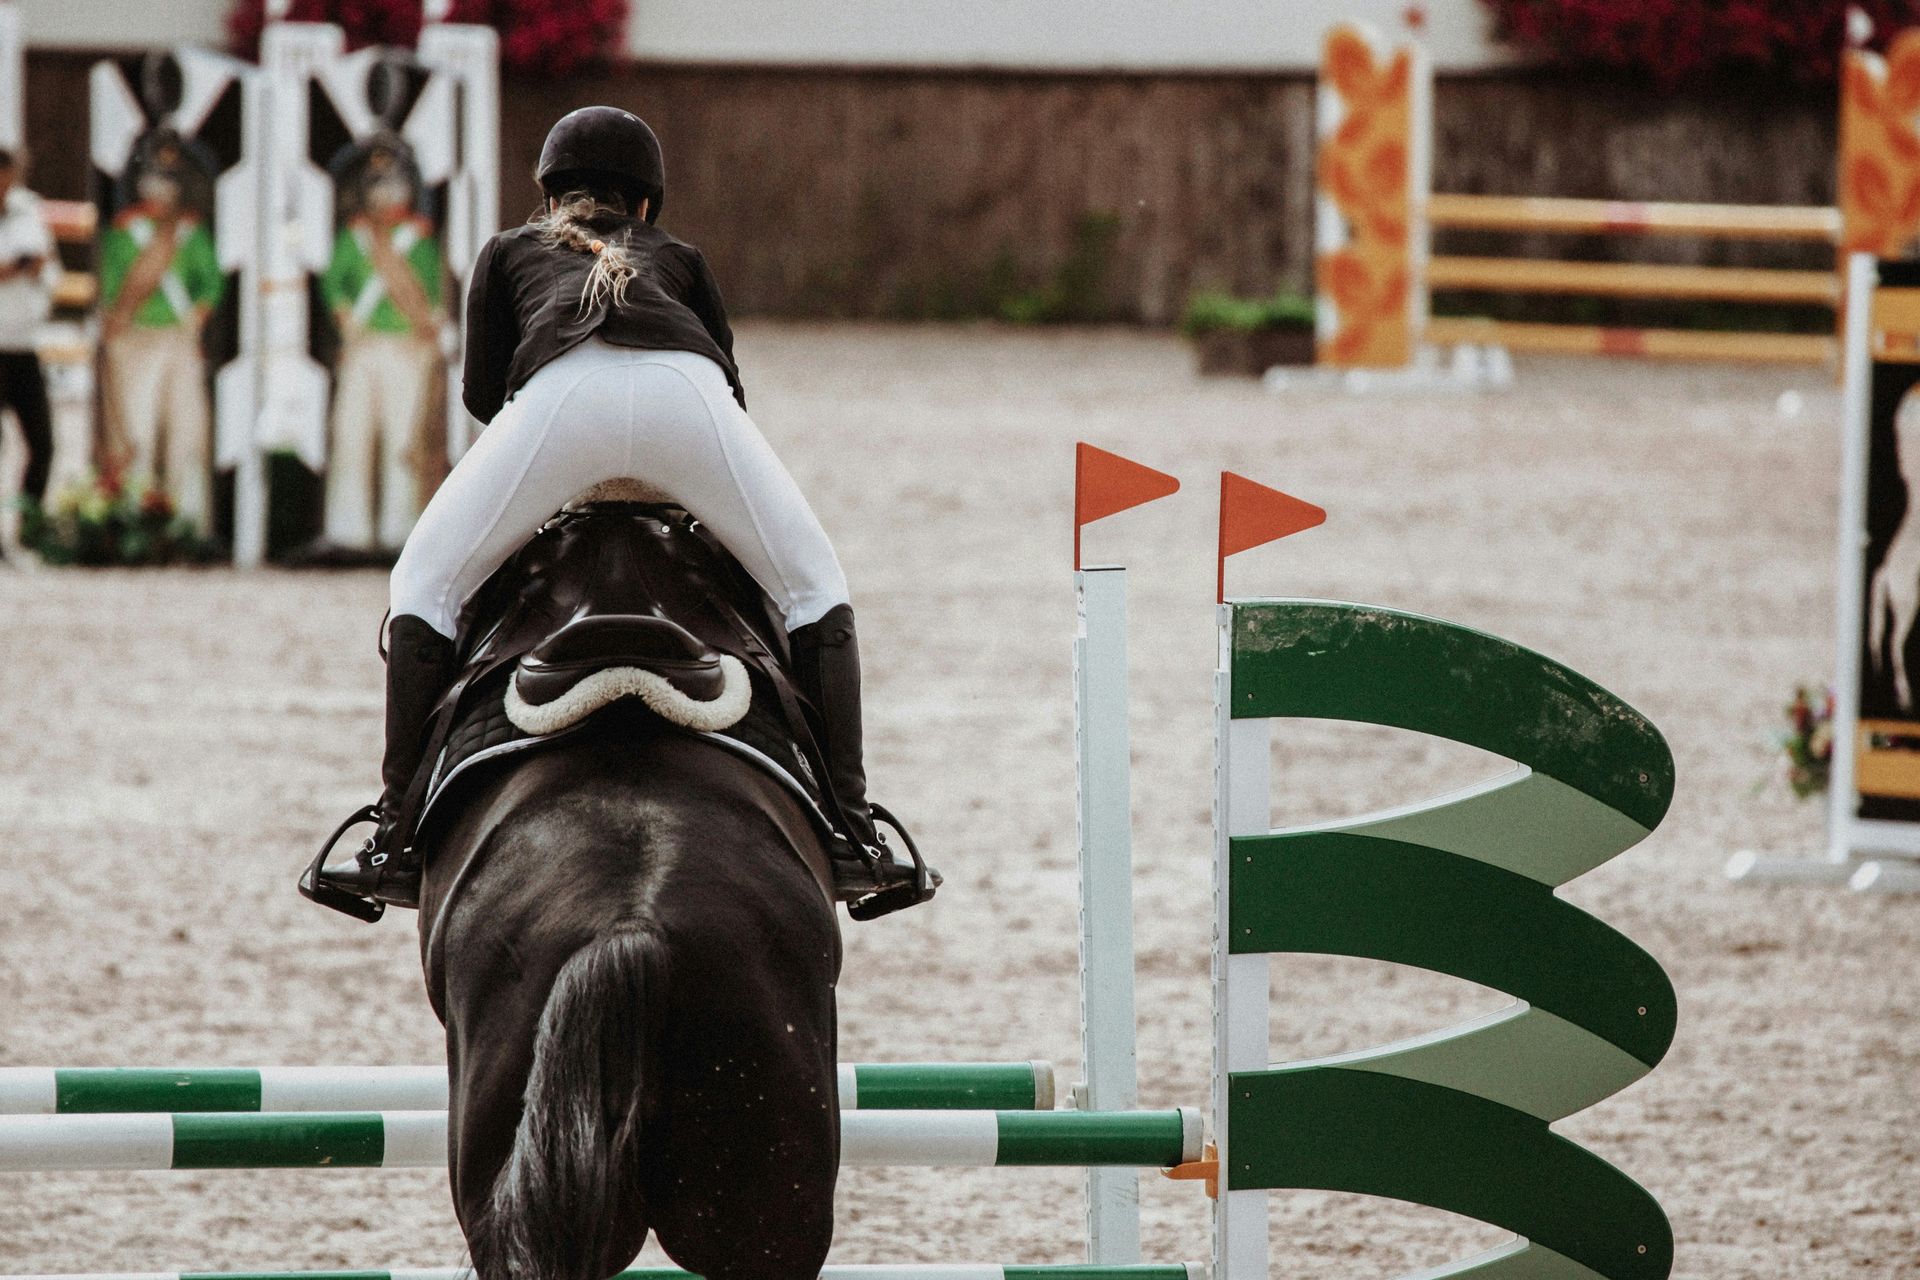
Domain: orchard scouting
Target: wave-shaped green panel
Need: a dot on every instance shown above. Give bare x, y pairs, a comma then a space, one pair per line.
1461, 884
1355, 1131
1330, 893
1327, 660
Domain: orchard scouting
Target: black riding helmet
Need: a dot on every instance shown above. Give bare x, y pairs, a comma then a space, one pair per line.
605, 142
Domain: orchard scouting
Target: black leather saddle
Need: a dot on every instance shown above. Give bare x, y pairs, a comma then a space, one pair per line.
618, 601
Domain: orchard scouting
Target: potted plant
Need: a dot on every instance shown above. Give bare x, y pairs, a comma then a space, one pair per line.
1807, 741
1248, 336
106, 520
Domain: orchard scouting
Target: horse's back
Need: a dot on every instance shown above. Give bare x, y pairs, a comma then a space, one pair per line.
643, 914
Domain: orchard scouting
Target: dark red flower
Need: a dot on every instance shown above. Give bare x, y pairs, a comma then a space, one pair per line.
1674, 41
545, 38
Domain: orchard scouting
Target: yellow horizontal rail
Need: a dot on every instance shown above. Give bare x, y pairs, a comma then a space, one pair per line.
1634, 280
75, 291
1604, 217
1598, 340
79, 353
70, 221
1892, 771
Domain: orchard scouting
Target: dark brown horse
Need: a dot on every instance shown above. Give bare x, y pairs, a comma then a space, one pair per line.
630, 936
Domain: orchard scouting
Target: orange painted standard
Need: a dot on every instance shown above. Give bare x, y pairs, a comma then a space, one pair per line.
1364, 172
1879, 178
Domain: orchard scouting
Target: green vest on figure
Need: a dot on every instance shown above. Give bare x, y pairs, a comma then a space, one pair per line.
352, 284
193, 279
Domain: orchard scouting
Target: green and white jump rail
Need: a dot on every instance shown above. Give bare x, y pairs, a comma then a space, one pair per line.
912, 1271
1460, 884
891, 1086
418, 1139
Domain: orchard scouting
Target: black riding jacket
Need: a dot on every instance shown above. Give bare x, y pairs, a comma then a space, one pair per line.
524, 307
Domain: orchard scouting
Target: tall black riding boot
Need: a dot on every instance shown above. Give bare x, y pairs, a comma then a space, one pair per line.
419, 666
826, 662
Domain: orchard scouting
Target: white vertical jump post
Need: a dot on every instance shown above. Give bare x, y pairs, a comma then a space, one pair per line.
1850, 837
1104, 484
241, 207
469, 54
1242, 805
1251, 515
295, 234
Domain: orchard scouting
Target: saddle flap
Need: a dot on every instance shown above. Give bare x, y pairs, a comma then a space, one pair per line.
599, 658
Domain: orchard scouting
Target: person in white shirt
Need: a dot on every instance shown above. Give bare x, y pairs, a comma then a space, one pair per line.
26, 270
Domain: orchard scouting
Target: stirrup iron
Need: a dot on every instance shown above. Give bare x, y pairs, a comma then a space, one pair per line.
316, 888
900, 893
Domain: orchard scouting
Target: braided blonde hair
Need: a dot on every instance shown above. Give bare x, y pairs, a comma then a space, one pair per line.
566, 225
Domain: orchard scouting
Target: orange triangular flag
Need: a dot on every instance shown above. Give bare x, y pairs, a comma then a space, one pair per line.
1105, 484
1251, 515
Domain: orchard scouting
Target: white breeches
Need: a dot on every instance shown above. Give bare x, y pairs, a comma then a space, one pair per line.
379, 400
158, 382
599, 413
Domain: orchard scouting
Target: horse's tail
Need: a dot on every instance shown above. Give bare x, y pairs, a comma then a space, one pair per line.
573, 1172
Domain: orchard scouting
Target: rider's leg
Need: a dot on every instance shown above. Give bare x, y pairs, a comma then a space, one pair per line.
698, 444
826, 661
693, 441
562, 433
524, 467
419, 665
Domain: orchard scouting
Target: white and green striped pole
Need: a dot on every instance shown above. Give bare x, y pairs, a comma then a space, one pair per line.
418, 1139
920, 1271
869, 1086
92, 1090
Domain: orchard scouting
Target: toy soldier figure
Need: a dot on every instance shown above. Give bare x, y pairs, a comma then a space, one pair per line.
159, 281
384, 288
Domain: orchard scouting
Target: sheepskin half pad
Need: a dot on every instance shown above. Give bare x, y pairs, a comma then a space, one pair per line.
660, 697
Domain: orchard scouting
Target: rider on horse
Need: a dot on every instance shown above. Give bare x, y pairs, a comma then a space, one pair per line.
598, 349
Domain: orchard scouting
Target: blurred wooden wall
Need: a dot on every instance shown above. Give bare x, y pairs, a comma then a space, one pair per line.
834, 191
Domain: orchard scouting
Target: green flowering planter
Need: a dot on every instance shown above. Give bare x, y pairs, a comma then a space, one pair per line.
1250, 353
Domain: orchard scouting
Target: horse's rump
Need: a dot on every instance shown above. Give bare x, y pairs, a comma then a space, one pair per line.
631, 940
